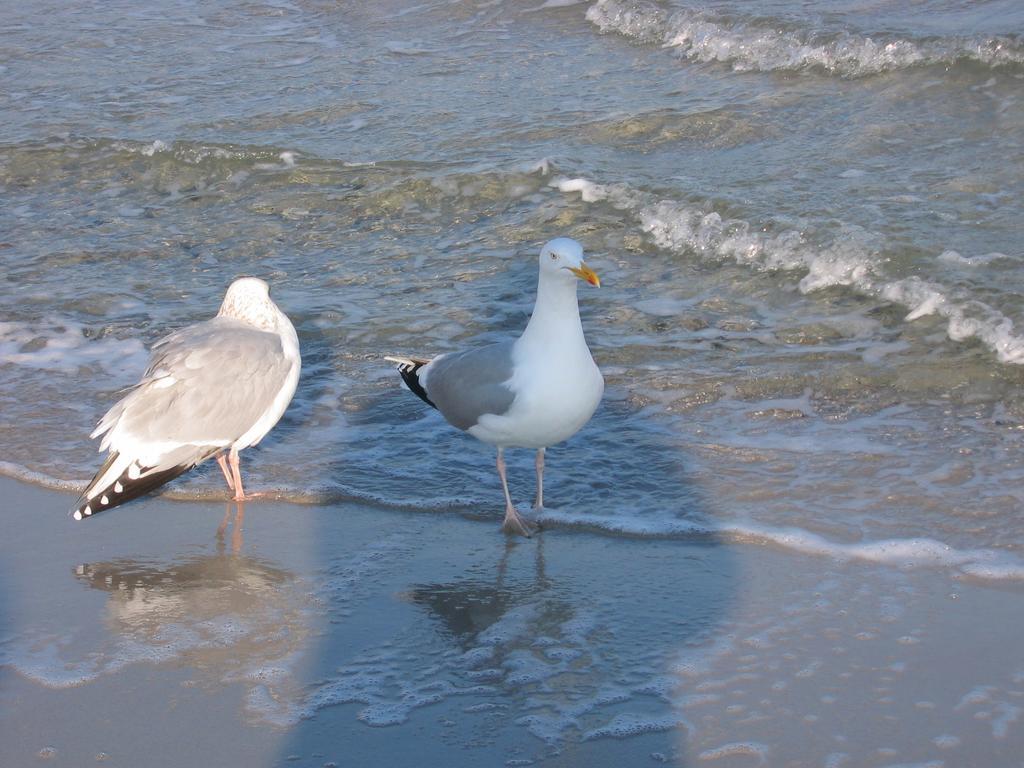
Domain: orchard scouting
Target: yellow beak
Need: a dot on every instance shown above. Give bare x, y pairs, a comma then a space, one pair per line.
586, 273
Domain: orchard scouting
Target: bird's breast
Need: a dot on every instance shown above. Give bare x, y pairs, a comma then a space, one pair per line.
554, 397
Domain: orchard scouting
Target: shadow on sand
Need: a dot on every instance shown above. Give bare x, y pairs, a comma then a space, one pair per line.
468, 647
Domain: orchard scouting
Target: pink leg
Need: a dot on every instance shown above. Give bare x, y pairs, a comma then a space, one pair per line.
236, 475
222, 461
514, 522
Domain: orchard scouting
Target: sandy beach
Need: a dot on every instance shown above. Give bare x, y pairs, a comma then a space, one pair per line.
180, 633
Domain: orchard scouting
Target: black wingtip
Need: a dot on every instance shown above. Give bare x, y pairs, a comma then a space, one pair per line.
409, 371
124, 489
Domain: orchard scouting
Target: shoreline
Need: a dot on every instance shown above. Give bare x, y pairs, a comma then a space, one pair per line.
982, 565
307, 634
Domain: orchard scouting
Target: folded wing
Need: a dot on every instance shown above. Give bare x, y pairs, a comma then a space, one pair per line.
207, 386
466, 385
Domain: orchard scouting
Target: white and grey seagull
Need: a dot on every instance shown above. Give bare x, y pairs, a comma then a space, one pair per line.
211, 389
530, 392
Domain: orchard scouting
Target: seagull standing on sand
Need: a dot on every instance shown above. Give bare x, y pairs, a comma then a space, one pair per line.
211, 389
535, 391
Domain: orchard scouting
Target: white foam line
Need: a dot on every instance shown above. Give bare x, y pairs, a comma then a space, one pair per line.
627, 724
850, 258
754, 749
27, 475
627, 526
986, 564
954, 258
195, 153
749, 45
65, 347
914, 552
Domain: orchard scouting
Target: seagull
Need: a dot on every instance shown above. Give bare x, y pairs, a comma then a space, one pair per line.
211, 389
530, 392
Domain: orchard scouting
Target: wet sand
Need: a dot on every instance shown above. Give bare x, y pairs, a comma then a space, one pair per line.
185, 633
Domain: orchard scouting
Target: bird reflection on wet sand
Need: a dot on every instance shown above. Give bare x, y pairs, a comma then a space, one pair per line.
228, 614
474, 610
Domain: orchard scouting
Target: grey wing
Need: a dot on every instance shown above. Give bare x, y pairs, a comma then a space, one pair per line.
466, 385
205, 384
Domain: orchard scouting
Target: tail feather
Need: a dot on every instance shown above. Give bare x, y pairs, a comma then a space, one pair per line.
408, 369
120, 480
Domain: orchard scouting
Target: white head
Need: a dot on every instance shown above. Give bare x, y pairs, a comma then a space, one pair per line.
562, 258
248, 300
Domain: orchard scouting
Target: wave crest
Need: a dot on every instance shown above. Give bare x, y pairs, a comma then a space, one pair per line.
851, 258
757, 46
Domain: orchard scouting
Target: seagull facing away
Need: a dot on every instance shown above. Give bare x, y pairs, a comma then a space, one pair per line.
211, 389
531, 392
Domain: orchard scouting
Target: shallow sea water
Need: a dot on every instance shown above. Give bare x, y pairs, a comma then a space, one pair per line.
807, 225
806, 221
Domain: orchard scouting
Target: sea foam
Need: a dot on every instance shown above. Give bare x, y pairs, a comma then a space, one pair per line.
849, 257
64, 345
913, 552
759, 45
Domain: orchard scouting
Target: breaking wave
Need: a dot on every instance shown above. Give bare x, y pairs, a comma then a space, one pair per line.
850, 258
749, 45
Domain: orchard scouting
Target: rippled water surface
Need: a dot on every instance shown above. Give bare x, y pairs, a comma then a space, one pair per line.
806, 221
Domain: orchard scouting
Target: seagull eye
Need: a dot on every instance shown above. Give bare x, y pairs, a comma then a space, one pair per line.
554, 257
